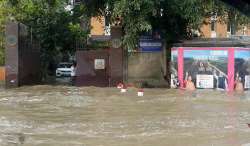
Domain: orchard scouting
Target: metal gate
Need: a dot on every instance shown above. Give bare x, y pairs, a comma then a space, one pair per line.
102, 68
92, 68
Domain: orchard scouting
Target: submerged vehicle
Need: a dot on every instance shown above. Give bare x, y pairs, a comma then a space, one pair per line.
64, 69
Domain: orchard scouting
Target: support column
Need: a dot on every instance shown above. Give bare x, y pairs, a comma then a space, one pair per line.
230, 72
12, 55
181, 66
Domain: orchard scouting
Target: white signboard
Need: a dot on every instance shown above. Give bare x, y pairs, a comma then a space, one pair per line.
205, 81
99, 63
247, 82
174, 81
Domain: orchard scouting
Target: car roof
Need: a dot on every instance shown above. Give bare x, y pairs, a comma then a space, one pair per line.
65, 63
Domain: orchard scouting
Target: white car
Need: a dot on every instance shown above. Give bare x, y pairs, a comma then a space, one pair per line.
64, 69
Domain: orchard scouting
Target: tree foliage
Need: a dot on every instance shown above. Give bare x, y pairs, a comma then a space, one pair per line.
174, 18
3, 13
56, 28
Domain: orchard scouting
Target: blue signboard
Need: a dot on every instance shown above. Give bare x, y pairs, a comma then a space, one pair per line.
150, 45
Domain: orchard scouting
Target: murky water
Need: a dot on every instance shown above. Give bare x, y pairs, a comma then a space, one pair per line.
69, 116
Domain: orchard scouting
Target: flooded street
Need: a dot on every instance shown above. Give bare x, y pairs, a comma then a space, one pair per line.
69, 116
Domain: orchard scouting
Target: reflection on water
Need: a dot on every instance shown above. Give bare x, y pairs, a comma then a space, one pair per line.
69, 116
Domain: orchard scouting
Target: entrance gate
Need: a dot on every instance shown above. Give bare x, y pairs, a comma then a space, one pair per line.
22, 61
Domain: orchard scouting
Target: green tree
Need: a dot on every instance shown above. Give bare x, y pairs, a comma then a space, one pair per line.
3, 13
56, 28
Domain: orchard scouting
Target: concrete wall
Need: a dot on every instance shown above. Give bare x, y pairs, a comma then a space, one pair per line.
147, 69
116, 66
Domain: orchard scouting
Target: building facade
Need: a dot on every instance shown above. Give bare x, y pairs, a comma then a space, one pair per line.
210, 29
99, 26
219, 29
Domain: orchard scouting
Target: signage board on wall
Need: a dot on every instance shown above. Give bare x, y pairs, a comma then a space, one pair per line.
205, 81
174, 69
207, 68
99, 64
247, 82
242, 66
150, 45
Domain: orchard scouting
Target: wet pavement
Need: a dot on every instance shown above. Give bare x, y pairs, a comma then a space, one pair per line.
70, 116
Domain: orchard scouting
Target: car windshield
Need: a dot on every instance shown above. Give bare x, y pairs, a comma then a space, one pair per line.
64, 65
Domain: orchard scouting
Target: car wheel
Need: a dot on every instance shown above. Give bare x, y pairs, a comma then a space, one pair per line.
58, 75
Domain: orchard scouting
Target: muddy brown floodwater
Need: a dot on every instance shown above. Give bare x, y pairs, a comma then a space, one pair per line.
70, 116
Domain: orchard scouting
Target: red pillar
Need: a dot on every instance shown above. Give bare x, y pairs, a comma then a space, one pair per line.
181, 66
230, 72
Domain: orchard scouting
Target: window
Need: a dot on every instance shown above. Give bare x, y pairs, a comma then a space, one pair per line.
213, 26
228, 27
213, 29
76, 2
213, 21
244, 29
107, 27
